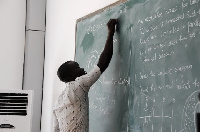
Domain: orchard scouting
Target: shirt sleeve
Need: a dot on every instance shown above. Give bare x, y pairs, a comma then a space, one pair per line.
86, 81
55, 123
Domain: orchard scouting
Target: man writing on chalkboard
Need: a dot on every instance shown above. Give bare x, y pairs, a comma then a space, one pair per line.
71, 109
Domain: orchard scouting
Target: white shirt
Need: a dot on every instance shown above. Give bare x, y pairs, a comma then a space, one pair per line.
71, 110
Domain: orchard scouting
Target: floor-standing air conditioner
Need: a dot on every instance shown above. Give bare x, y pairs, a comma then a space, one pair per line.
15, 110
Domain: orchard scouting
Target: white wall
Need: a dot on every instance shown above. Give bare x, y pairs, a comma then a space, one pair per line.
60, 45
12, 41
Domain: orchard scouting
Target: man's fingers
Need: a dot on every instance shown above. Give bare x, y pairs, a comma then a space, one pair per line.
112, 21
115, 21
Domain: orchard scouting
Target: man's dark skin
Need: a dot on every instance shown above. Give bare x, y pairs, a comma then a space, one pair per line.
75, 71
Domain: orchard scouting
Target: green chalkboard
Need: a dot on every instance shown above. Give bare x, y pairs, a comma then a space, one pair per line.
153, 81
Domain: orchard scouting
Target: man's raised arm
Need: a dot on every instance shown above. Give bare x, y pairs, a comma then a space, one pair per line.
107, 53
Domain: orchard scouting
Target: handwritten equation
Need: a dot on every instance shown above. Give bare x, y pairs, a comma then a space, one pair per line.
168, 28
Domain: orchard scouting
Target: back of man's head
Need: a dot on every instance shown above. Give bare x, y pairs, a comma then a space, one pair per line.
64, 71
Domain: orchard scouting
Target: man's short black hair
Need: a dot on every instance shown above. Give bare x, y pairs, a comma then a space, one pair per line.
63, 71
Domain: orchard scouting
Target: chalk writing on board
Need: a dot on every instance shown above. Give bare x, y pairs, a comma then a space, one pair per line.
183, 85
188, 114
146, 53
112, 81
98, 108
93, 57
168, 71
151, 114
189, 111
161, 34
95, 28
102, 99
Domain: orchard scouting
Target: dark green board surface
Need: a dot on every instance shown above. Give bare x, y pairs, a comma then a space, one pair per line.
153, 81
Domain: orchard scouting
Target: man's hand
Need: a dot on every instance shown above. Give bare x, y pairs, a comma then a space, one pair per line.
111, 26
